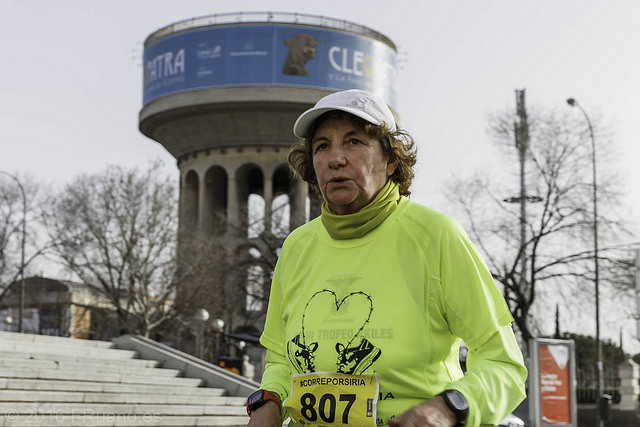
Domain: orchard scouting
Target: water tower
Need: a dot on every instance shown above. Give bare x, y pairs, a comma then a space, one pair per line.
221, 94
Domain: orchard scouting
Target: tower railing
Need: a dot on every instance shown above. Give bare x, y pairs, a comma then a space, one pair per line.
267, 17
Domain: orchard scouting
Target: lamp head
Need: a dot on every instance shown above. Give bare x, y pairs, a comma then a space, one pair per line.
572, 102
218, 326
202, 315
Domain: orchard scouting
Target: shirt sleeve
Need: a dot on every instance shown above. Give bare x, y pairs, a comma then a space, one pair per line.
494, 383
276, 376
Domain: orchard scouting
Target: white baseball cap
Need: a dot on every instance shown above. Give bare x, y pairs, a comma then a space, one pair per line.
360, 103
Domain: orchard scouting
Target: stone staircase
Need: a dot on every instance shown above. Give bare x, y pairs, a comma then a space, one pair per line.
56, 381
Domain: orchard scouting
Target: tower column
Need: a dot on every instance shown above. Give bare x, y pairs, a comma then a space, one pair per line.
204, 217
233, 213
298, 203
268, 200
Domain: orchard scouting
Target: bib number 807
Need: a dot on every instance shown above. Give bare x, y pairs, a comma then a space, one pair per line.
326, 407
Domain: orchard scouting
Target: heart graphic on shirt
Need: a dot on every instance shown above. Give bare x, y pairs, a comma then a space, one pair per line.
323, 310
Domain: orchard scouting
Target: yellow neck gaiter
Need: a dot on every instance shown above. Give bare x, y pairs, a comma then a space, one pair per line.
366, 219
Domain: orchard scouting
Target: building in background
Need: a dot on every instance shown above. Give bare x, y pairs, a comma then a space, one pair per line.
60, 308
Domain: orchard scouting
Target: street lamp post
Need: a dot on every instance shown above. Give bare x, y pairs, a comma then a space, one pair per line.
600, 384
201, 318
24, 238
218, 330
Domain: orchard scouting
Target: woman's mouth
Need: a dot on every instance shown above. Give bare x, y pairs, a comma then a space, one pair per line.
338, 180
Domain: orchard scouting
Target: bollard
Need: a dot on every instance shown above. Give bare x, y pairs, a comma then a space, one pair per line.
605, 407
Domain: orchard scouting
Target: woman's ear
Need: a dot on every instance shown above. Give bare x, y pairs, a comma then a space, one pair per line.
391, 167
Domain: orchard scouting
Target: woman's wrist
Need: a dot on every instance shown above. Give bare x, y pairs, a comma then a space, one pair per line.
266, 415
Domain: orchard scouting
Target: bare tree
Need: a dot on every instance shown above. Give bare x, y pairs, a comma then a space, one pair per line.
13, 211
230, 274
558, 246
116, 231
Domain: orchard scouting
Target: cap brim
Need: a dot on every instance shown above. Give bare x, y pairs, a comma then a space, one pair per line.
302, 126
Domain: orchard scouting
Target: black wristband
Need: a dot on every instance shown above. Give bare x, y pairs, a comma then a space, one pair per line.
457, 403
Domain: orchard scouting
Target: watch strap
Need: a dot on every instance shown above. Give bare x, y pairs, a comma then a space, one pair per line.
263, 397
460, 411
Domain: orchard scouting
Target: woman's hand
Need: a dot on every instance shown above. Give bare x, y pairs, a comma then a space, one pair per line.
432, 413
268, 415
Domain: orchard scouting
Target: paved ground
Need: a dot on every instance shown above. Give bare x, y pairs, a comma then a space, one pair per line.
587, 417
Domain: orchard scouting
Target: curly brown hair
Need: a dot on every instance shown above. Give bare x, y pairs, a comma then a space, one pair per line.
397, 145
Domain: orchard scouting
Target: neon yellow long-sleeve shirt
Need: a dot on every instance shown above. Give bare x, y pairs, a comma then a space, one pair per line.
394, 303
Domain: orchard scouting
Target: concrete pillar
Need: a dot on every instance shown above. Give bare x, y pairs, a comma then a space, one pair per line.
233, 213
629, 373
190, 192
298, 203
268, 200
316, 201
203, 208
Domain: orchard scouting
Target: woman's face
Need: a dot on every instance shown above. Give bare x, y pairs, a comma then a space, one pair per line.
350, 166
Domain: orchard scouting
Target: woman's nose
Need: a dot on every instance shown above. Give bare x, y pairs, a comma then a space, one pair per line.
337, 157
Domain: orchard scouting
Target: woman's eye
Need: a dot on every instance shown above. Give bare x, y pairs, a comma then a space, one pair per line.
320, 147
355, 141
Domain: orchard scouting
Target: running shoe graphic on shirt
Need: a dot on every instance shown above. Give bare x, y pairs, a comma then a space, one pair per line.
356, 360
301, 355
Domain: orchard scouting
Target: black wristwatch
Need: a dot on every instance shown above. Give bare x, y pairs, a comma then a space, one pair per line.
259, 398
457, 403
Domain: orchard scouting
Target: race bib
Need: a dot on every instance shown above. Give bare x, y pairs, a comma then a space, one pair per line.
332, 399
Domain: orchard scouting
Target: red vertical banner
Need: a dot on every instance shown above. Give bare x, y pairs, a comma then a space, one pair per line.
555, 384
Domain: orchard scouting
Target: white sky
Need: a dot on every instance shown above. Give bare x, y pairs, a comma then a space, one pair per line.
71, 80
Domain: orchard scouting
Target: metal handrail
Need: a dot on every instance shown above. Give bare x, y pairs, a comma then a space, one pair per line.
267, 17
189, 366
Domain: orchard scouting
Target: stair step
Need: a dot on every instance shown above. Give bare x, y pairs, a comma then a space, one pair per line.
123, 398
94, 367
47, 374
116, 420
74, 358
26, 408
10, 358
49, 339
44, 348
94, 386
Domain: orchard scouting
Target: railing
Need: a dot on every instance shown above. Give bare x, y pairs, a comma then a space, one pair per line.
267, 17
190, 366
586, 379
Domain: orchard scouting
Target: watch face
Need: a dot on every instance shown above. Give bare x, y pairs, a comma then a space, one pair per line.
254, 398
457, 399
